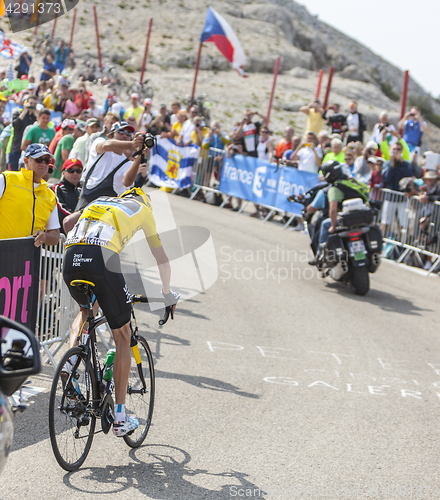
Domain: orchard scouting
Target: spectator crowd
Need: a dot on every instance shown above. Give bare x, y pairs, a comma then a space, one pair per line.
384, 158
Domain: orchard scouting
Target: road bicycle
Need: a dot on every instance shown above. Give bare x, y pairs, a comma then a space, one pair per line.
83, 397
142, 89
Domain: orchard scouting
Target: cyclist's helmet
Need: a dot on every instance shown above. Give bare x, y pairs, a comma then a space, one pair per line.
332, 171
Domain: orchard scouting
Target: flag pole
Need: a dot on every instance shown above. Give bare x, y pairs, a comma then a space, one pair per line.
144, 62
195, 75
275, 74
404, 96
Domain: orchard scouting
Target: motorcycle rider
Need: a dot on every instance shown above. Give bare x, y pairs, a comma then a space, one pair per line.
342, 188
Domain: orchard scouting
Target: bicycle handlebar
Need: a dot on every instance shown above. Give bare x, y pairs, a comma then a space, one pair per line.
136, 299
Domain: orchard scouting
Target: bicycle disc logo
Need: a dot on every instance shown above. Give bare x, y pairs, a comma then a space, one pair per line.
25, 14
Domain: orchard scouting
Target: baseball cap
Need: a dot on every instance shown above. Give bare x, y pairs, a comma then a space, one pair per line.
134, 95
68, 124
147, 101
37, 150
72, 162
372, 145
91, 121
372, 159
92, 99
121, 126
80, 125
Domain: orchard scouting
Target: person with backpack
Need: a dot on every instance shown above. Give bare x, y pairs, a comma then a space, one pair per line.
342, 188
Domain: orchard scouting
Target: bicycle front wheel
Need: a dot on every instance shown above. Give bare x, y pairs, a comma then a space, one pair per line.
72, 419
140, 393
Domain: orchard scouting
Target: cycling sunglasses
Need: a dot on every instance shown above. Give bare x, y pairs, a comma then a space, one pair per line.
74, 170
45, 160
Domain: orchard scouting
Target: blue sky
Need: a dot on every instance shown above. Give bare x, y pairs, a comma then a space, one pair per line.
405, 33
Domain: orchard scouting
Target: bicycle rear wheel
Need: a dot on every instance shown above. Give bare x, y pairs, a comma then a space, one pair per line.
140, 397
72, 421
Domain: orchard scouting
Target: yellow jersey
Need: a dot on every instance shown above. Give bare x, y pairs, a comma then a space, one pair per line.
111, 222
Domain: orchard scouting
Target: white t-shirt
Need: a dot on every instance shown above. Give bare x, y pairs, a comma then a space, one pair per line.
307, 160
97, 112
53, 221
353, 124
187, 129
146, 119
104, 167
376, 136
79, 148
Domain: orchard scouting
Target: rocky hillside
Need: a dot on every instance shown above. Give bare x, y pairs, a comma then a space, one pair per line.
266, 29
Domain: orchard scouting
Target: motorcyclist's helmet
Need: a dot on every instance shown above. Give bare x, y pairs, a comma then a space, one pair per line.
332, 171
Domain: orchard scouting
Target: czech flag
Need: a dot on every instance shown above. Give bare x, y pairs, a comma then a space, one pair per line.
218, 31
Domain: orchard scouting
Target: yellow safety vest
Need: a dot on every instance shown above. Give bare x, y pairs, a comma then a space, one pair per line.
23, 208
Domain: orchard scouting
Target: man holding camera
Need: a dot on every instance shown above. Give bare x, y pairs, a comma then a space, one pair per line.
27, 117
414, 127
112, 173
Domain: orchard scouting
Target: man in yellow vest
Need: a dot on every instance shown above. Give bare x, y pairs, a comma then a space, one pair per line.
27, 204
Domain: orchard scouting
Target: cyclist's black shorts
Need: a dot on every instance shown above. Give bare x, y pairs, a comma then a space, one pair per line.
103, 268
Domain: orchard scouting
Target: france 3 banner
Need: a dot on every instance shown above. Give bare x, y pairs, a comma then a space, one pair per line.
264, 183
171, 165
19, 280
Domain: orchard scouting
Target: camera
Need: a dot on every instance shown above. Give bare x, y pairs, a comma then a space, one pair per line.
149, 141
235, 148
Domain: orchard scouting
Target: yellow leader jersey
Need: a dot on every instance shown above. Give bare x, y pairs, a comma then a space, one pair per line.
112, 222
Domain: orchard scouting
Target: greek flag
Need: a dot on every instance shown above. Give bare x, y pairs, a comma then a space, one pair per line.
171, 165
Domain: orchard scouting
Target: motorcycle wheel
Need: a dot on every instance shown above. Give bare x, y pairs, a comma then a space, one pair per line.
360, 280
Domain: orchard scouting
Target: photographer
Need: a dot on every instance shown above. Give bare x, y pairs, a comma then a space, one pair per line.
82, 97
377, 135
414, 127
113, 171
27, 117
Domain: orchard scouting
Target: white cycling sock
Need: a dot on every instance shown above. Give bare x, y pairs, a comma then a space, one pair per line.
69, 364
120, 413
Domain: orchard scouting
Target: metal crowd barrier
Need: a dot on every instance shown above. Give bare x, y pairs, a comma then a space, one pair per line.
410, 229
56, 308
207, 163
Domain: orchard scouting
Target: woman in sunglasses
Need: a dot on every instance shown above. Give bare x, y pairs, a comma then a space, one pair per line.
67, 191
27, 204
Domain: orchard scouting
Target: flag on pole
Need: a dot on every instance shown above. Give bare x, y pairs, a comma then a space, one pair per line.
171, 165
10, 72
218, 31
8, 48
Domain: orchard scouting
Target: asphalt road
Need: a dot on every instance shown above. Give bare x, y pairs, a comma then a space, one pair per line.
271, 383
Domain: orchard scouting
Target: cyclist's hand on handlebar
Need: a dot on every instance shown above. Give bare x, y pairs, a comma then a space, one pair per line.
171, 300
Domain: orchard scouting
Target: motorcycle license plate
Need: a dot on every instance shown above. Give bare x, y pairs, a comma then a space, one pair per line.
358, 249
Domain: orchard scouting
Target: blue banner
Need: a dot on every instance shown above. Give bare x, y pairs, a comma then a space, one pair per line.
56, 117
263, 183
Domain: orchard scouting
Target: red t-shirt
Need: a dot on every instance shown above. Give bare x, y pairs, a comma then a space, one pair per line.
82, 100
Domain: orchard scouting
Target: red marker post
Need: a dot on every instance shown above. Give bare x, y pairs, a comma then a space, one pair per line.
144, 62
318, 88
195, 75
329, 86
73, 29
275, 74
54, 25
97, 36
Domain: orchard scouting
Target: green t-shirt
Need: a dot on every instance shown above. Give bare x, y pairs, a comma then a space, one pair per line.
65, 142
331, 156
335, 194
37, 135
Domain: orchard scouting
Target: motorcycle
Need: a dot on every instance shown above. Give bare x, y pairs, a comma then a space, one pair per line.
353, 251
19, 359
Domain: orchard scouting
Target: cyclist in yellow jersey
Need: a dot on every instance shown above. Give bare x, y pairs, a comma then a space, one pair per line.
92, 253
